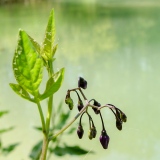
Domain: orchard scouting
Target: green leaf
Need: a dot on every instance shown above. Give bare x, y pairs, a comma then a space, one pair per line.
35, 44
53, 84
76, 150
71, 150
54, 50
47, 51
59, 151
36, 151
10, 148
20, 91
6, 130
3, 113
27, 64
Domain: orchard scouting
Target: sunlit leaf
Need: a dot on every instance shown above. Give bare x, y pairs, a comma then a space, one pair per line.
53, 84
54, 50
36, 151
10, 148
3, 113
35, 44
27, 65
47, 50
20, 91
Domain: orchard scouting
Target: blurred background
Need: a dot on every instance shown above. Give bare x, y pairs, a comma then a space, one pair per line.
114, 45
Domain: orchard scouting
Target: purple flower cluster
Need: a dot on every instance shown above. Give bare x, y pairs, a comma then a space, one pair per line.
96, 106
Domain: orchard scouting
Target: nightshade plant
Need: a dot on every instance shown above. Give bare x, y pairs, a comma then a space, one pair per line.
30, 58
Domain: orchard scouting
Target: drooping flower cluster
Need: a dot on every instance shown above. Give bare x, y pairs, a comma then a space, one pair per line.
96, 106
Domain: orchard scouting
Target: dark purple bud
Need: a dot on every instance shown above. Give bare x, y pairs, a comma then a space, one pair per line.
104, 139
118, 124
98, 105
82, 83
80, 131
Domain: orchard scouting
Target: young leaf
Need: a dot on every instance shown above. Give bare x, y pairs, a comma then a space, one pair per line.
48, 50
35, 44
20, 91
3, 113
53, 84
27, 64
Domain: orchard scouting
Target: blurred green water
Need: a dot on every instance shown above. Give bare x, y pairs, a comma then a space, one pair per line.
116, 48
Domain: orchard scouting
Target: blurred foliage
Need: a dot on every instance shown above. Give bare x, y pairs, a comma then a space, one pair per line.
56, 147
5, 150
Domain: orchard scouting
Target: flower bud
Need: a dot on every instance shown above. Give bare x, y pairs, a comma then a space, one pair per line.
118, 124
90, 134
123, 117
93, 132
69, 101
118, 114
80, 131
82, 83
104, 139
98, 105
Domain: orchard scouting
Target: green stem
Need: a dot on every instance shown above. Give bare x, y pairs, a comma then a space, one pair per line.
49, 114
42, 117
48, 119
50, 101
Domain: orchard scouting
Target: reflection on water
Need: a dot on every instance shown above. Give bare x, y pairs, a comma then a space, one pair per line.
115, 48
